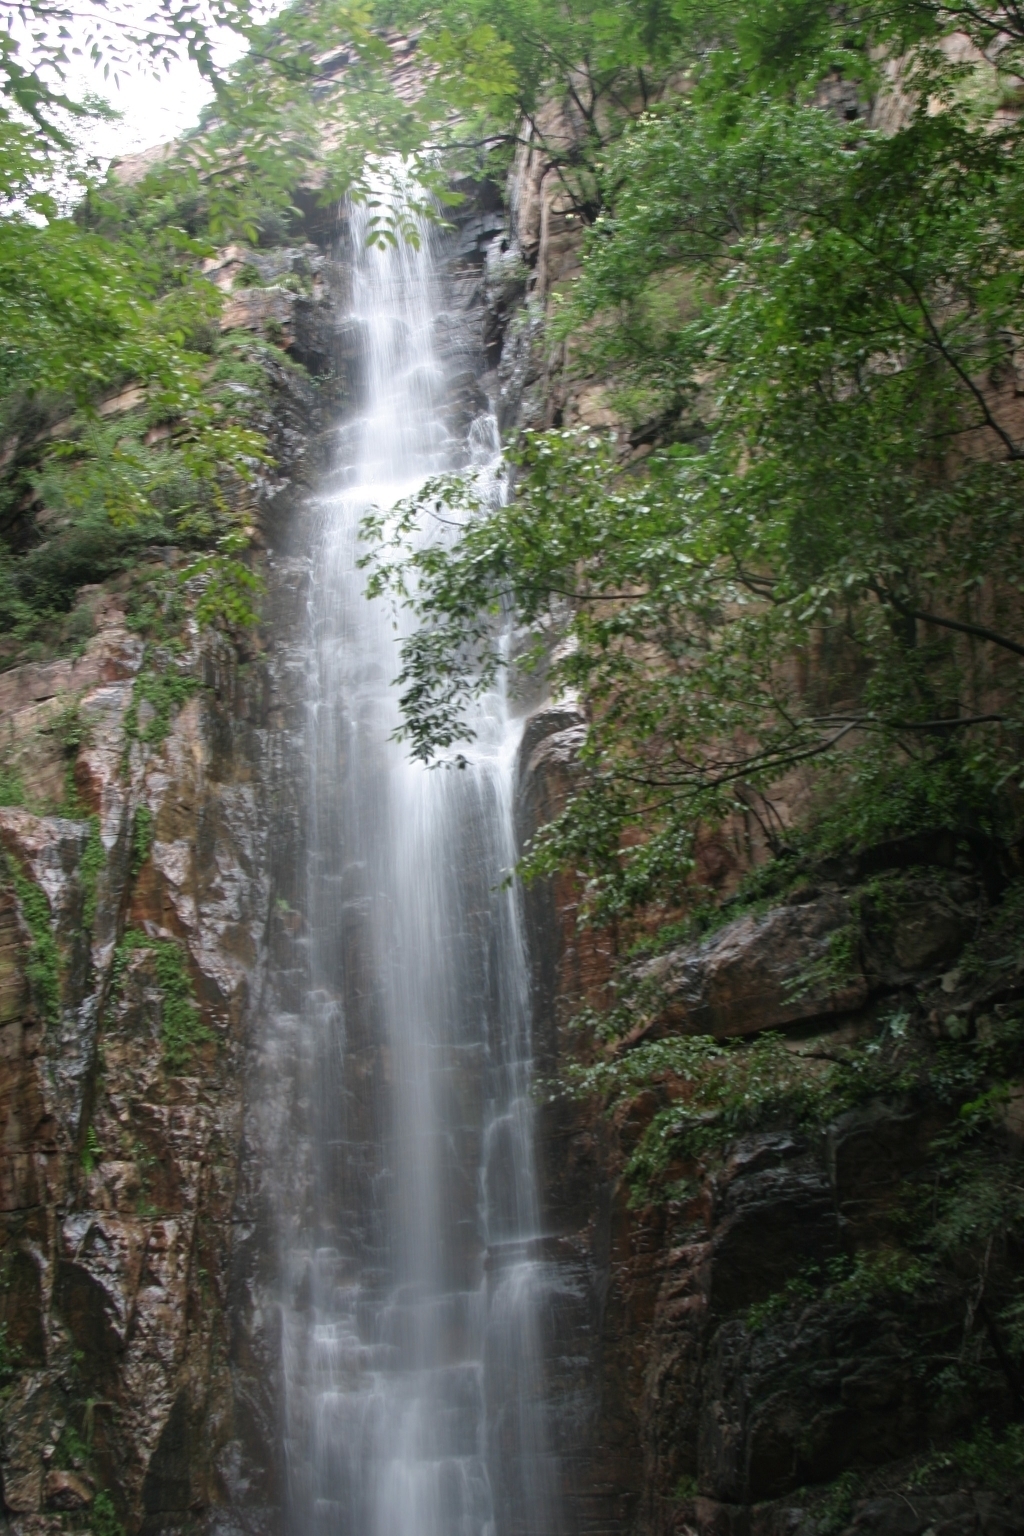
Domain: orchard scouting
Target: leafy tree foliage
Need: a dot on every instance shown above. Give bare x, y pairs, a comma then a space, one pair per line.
574, 75
815, 574
93, 303
108, 300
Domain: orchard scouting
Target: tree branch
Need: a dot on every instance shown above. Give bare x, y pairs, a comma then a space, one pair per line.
978, 631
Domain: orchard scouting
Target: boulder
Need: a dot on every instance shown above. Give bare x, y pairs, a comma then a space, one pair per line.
259, 309
760, 972
67, 1490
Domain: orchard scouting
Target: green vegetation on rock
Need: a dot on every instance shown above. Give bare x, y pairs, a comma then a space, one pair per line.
10, 1362
43, 964
12, 787
164, 692
92, 1152
103, 1519
142, 838
90, 865
989, 1459
182, 1030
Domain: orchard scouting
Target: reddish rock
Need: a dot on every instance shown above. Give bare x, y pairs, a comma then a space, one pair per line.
259, 309
68, 1490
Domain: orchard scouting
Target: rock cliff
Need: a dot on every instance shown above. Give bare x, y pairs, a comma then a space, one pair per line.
150, 925
734, 1360
707, 1371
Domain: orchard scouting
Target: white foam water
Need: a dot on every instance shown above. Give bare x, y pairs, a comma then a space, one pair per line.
414, 1297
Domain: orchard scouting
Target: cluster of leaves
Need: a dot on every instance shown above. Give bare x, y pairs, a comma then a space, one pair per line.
713, 1091
562, 81
164, 692
110, 298
182, 1030
174, 470
987, 1458
719, 1090
817, 571
106, 301
43, 965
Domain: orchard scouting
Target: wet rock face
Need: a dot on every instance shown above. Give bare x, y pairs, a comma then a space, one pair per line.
137, 910
702, 1397
119, 1165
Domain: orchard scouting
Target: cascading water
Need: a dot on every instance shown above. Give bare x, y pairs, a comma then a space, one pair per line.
413, 1374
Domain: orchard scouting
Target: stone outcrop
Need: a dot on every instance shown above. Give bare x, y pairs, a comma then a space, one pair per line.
760, 972
704, 1388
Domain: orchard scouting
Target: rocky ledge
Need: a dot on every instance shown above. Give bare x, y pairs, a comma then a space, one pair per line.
772, 1338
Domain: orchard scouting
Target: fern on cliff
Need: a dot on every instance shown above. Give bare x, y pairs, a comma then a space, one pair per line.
43, 964
182, 1030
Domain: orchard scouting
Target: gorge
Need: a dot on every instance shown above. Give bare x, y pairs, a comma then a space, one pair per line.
332, 1202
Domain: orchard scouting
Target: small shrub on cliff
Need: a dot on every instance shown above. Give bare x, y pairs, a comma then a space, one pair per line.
182, 1030
71, 1452
164, 692
92, 1151
714, 1091
103, 1519
156, 608
9, 1360
90, 865
987, 1458
12, 788
720, 1090
835, 1509
861, 1281
833, 970
43, 965
142, 838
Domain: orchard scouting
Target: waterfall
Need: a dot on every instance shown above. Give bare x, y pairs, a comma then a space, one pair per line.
413, 1298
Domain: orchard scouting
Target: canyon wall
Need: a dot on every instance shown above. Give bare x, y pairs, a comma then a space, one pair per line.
151, 917
701, 1384
163, 890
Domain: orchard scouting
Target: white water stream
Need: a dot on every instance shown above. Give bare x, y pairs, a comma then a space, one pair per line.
413, 1377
